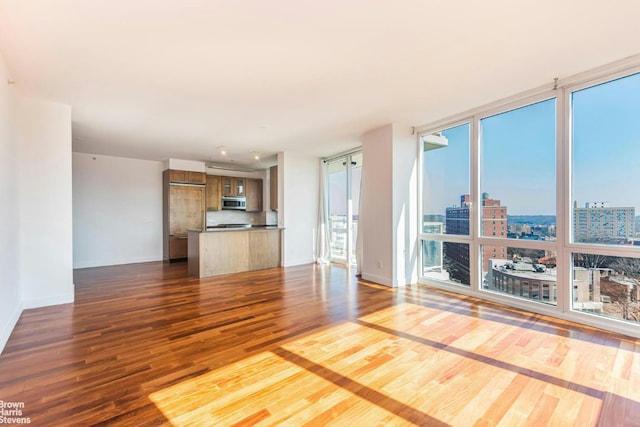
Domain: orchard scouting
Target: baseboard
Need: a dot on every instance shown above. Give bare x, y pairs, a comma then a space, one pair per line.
378, 279
108, 262
299, 262
47, 301
8, 328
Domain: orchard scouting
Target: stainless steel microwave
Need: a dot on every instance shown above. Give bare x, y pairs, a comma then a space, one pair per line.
238, 203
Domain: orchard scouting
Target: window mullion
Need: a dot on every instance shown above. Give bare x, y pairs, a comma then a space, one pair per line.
563, 208
475, 211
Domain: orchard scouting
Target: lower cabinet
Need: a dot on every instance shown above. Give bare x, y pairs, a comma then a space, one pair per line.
262, 253
178, 247
223, 252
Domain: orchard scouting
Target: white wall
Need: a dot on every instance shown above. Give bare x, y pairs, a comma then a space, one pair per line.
117, 210
46, 252
376, 213
185, 165
388, 212
10, 296
405, 205
298, 182
259, 174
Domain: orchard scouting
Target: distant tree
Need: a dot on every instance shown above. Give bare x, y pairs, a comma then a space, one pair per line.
599, 239
622, 296
627, 266
618, 292
625, 310
591, 261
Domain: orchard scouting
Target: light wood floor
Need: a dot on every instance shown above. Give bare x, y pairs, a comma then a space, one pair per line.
146, 345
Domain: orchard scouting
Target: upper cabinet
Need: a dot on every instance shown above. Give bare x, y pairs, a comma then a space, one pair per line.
233, 186
214, 192
254, 195
229, 186
241, 187
187, 177
273, 188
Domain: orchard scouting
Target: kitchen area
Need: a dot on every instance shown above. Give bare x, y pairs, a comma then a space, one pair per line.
221, 224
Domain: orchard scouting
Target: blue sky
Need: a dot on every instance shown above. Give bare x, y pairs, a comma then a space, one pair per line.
446, 175
607, 143
523, 140
518, 164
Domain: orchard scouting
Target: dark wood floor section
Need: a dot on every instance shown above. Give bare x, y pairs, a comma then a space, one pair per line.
145, 344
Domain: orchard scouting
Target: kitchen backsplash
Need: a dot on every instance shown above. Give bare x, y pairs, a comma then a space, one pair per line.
240, 217
271, 218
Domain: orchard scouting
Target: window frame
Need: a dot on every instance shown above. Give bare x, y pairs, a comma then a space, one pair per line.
350, 241
563, 245
443, 238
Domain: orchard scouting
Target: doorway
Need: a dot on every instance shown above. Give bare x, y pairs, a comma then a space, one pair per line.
344, 179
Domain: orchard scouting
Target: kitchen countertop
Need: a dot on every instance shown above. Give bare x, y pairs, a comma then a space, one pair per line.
252, 228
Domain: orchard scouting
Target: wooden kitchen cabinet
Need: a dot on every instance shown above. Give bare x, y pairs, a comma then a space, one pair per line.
227, 186
233, 186
186, 209
178, 247
254, 195
264, 249
273, 188
183, 209
214, 192
214, 253
187, 177
241, 186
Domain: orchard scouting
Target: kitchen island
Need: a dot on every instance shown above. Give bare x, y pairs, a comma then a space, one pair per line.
232, 250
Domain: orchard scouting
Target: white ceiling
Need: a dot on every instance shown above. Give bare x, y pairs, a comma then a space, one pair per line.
165, 79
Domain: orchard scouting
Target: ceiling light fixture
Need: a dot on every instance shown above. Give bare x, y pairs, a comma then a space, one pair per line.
256, 155
223, 150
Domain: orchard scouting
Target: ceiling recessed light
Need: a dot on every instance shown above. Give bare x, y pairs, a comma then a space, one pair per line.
223, 150
256, 155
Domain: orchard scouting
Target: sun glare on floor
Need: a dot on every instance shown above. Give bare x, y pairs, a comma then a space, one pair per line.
409, 365
281, 387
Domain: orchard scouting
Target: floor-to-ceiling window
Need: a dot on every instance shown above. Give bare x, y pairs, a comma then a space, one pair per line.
533, 202
517, 207
445, 220
605, 198
344, 178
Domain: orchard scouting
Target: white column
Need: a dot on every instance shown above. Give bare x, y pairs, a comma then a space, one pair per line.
389, 219
46, 228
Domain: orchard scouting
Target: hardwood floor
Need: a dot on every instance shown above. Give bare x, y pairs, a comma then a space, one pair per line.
145, 344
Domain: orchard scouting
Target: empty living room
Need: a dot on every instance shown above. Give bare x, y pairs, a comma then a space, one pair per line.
295, 213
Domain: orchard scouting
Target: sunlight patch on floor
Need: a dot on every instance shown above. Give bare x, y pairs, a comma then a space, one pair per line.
267, 389
409, 365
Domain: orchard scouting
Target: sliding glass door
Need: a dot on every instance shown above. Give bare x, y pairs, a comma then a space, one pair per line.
344, 177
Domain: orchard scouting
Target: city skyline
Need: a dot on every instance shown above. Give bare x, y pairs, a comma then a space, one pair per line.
516, 199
